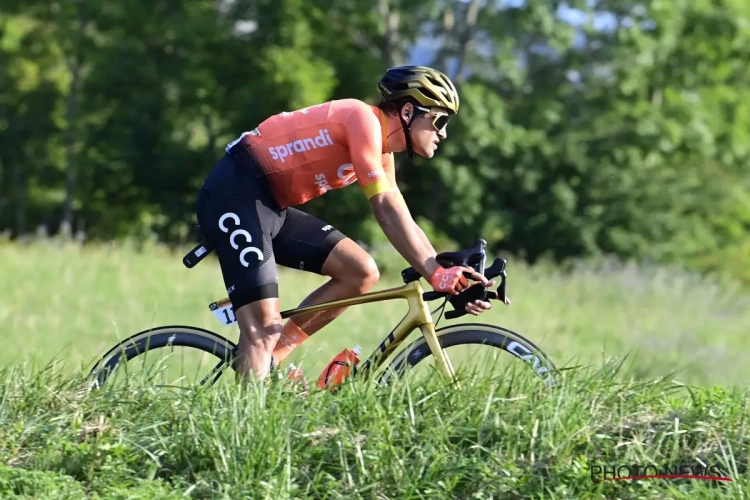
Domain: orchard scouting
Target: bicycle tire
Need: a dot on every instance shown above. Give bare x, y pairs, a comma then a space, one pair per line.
474, 333
160, 337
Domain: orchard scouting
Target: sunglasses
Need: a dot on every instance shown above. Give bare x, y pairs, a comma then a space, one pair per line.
441, 119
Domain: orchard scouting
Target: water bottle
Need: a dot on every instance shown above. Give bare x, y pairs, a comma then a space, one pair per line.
339, 368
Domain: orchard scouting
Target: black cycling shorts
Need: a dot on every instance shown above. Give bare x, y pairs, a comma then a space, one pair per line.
252, 234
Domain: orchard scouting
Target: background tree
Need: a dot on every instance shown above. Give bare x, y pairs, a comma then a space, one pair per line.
585, 127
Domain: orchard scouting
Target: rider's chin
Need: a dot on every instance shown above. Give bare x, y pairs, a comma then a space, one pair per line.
426, 152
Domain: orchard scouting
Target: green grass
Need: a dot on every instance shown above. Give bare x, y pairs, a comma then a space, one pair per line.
72, 304
493, 439
59, 441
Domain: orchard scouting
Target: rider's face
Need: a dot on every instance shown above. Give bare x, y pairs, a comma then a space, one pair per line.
424, 133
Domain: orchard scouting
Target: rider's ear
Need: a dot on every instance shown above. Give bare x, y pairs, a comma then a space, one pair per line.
406, 112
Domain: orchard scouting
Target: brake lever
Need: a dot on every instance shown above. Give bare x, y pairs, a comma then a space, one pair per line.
502, 288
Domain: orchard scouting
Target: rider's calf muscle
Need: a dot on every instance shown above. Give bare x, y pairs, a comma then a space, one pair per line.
260, 327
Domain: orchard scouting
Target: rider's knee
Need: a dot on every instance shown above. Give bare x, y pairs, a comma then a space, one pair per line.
368, 274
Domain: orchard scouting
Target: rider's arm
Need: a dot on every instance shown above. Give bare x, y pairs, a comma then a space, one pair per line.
390, 172
401, 230
366, 151
425, 241
411, 242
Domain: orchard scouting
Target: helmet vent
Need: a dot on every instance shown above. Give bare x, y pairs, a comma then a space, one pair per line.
433, 81
429, 94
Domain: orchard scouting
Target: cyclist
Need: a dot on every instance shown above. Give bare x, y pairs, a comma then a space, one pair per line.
246, 206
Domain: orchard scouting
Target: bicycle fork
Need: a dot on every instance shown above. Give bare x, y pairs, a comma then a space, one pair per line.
444, 363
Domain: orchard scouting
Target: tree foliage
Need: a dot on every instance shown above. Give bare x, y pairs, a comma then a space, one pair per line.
585, 127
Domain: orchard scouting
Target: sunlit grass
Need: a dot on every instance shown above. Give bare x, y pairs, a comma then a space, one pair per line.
69, 303
426, 440
500, 436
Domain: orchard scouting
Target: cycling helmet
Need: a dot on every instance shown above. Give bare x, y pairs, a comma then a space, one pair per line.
429, 87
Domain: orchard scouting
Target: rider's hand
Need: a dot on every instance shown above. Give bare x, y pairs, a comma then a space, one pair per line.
452, 280
479, 306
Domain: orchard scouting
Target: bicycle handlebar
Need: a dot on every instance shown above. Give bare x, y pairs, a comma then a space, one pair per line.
474, 257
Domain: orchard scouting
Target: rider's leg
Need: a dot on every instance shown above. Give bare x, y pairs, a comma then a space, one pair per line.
353, 272
310, 244
260, 328
238, 214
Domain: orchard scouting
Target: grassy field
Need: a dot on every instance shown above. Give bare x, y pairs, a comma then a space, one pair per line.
72, 304
58, 440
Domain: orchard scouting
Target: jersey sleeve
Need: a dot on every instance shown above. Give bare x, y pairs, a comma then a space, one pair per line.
365, 139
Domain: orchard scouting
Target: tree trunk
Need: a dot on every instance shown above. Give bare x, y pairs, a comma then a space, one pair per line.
448, 30
466, 37
457, 40
392, 53
71, 116
19, 198
3, 190
71, 111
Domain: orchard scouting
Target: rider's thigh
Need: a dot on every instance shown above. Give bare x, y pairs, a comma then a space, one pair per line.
350, 263
304, 242
241, 220
310, 244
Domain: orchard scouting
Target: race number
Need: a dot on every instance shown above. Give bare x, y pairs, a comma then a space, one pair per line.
223, 311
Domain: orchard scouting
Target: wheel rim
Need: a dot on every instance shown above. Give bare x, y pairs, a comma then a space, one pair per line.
167, 357
476, 351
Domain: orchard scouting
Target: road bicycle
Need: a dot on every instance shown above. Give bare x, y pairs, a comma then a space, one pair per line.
432, 342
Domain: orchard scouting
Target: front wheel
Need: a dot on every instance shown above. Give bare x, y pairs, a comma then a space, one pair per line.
484, 348
167, 353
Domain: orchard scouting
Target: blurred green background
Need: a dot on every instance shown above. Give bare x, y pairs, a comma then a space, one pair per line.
589, 132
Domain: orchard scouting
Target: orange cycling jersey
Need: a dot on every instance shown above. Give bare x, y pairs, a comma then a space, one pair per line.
307, 152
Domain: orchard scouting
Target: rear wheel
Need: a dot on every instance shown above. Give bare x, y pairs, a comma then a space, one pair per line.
170, 356
475, 350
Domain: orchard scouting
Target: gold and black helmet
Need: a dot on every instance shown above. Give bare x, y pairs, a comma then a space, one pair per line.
428, 86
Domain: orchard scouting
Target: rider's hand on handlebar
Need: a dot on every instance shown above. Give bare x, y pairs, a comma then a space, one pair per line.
477, 307
454, 280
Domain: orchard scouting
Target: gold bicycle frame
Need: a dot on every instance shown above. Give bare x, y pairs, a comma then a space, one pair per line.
418, 316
